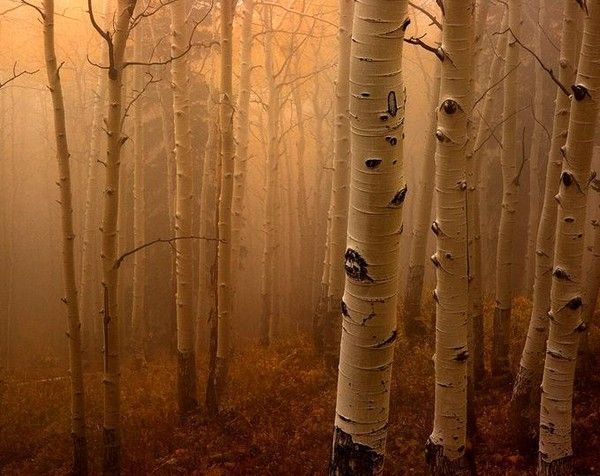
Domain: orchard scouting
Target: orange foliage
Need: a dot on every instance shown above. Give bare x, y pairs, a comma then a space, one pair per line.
279, 418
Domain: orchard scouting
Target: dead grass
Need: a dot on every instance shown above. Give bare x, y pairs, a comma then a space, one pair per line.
281, 403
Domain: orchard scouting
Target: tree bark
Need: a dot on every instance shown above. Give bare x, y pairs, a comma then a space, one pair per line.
446, 447
63, 156
186, 374
555, 450
525, 395
224, 344
510, 188
377, 193
109, 244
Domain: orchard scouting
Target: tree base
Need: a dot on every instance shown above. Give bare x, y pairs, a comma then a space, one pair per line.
80, 455
351, 459
112, 452
187, 401
215, 387
500, 344
441, 465
559, 467
523, 423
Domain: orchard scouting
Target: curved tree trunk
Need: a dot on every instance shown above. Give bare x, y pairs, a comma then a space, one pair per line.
525, 394
377, 192
186, 360
68, 238
555, 450
446, 447
510, 195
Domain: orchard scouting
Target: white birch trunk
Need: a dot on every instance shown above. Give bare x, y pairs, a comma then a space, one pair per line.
68, 238
109, 246
186, 362
138, 316
566, 323
242, 129
446, 447
510, 195
377, 192
224, 281
525, 395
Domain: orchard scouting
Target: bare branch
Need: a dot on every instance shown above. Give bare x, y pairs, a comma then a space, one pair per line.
540, 62
16, 75
434, 20
494, 85
417, 41
169, 241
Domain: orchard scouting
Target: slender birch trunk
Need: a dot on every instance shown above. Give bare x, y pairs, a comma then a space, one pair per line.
269, 248
109, 251
413, 325
242, 129
186, 360
207, 293
535, 154
224, 344
341, 157
377, 193
89, 289
68, 238
525, 394
510, 195
302, 288
555, 450
138, 315
446, 447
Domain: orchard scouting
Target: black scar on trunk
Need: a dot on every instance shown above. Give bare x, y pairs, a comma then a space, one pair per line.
399, 197
351, 458
356, 266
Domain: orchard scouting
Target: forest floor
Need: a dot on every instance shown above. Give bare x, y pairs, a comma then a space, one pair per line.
281, 404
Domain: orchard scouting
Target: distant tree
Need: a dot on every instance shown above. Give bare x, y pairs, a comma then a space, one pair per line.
510, 190
186, 361
377, 193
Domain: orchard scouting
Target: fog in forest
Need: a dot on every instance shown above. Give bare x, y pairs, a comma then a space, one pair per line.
222, 222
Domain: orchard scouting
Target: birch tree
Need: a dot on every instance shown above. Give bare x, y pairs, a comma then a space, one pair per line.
63, 156
116, 41
186, 361
555, 450
242, 128
508, 160
525, 396
377, 193
138, 323
446, 447
224, 282
413, 326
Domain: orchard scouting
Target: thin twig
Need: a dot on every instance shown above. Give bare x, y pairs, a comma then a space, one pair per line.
170, 241
540, 62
